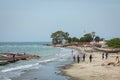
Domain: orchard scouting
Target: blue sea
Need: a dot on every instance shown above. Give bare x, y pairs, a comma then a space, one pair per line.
45, 68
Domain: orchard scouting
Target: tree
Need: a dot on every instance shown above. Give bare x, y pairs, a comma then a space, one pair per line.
115, 43
59, 36
75, 39
69, 39
88, 37
83, 39
66, 36
97, 39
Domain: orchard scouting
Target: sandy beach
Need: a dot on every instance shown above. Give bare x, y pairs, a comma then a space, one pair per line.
98, 69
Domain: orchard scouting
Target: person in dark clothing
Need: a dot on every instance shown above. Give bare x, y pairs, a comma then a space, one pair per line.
106, 55
102, 56
14, 57
78, 58
90, 57
83, 57
117, 58
72, 52
74, 58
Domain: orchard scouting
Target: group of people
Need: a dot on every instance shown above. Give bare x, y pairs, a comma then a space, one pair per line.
78, 58
105, 55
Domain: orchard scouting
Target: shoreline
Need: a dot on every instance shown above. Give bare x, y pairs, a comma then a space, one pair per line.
65, 74
68, 66
98, 69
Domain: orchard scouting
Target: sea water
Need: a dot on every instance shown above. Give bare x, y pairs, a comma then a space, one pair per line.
45, 68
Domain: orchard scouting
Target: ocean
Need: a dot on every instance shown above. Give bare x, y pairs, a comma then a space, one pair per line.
45, 68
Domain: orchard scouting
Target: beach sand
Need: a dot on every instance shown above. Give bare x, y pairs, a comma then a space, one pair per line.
96, 70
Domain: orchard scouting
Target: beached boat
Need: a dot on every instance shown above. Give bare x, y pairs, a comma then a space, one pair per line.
108, 50
11, 57
3, 62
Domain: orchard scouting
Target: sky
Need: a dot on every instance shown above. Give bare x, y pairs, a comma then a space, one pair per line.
36, 20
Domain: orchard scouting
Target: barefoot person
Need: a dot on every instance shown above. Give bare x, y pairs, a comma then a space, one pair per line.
106, 54
74, 58
78, 58
102, 56
84, 57
90, 57
117, 58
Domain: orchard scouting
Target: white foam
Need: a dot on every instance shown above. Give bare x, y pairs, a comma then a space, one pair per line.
27, 66
48, 60
19, 67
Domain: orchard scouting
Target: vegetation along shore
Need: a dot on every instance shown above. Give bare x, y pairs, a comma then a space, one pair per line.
104, 63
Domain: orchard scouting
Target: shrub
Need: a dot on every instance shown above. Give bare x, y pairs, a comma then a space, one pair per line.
115, 43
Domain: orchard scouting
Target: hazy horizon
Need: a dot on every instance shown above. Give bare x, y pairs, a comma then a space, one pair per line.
36, 20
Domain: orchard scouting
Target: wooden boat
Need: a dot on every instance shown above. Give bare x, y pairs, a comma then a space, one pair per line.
9, 60
2, 62
108, 50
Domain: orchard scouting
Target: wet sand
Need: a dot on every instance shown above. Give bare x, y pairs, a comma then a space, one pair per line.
98, 69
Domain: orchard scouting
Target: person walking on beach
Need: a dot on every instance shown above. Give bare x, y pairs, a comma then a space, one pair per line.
72, 52
90, 57
102, 56
117, 58
78, 58
74, 58
106, 54
84, 57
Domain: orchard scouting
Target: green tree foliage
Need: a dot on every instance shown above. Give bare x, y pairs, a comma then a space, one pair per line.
88, 37
83, 39
59, 36
97, 38
69, 39
75, 39
115, 43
